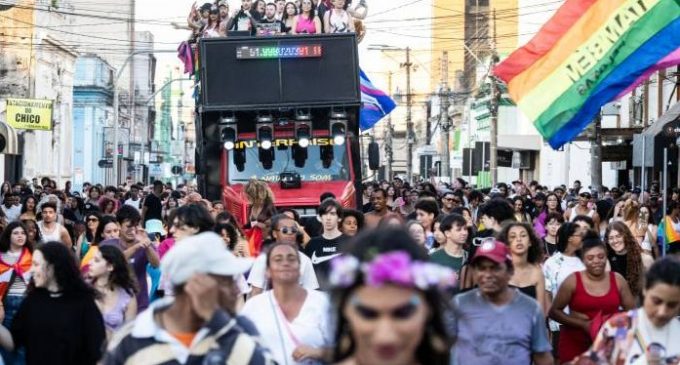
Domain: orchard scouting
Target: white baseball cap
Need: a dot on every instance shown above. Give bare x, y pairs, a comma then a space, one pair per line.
203, 253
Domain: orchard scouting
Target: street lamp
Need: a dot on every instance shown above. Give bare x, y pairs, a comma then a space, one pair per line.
409, 124
116, 114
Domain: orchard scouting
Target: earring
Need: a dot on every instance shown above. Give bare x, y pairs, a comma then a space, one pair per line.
436, 341
345, 342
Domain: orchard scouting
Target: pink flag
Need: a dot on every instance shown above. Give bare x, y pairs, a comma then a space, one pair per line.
671, 60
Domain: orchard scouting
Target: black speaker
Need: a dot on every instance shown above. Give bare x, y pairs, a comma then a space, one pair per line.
373, 156
248, 73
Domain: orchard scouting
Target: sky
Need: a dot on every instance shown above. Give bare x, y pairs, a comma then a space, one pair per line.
165, 13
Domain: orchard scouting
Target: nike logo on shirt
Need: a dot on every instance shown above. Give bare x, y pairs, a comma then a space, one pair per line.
317, 260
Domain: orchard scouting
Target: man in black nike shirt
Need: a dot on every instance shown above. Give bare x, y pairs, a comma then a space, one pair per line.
322, 249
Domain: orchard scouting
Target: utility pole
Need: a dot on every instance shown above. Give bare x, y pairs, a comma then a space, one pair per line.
389, 133
596, 155
410, 135
495, 100
444, 121
132, 97
116, 103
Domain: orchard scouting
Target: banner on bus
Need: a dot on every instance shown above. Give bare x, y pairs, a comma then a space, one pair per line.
30, 114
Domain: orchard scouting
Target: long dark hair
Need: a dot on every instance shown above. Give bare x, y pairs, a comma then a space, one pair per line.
34, 224
121, 276
312, 11
559, 202
88, 234
6, 237
285, 11
535, 252
231, 232
65, 270
103, 221
364, 247
634, 268
566, 230
24, 206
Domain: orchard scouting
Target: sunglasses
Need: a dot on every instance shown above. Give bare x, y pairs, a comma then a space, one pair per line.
288, 230
92, 220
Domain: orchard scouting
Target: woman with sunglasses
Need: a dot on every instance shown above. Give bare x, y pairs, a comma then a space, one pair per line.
107, 229
384, 316
292, 321
284, 229
86, 238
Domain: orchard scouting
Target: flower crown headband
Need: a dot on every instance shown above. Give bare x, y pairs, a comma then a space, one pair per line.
395, 267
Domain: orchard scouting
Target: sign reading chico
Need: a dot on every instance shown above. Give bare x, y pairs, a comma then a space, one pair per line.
30, 114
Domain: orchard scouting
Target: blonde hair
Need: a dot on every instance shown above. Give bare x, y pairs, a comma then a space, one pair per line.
259, 192
631, 210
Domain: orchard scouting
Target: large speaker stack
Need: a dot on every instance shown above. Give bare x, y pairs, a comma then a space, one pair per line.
277, 75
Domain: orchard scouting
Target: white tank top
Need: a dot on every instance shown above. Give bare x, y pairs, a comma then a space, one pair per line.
339, 22
573, 214
55, 235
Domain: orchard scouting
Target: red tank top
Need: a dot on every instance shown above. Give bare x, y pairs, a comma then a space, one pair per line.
590, 305
574, 341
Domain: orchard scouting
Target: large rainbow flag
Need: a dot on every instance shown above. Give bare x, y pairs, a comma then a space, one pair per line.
585, 56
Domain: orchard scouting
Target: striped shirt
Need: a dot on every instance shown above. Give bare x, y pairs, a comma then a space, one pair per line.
223, 340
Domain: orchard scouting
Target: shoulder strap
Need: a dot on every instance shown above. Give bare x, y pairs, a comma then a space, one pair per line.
579, 281
278, 325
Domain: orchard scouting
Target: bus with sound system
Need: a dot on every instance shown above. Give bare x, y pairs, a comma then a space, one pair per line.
282, 109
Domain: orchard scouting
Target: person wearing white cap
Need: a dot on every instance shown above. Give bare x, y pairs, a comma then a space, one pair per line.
199, 326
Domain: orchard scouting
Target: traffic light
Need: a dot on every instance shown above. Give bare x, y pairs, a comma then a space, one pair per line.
9, 142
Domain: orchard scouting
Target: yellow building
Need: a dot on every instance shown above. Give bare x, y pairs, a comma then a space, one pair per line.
464, 28
16, 50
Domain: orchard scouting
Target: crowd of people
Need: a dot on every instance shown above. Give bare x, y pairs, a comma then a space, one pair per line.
261, 18
422, 274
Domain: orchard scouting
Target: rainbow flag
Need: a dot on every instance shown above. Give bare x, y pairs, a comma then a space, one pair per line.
668, 61
584, 56
667, 232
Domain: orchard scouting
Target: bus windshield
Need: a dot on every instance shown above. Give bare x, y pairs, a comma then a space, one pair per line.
312, 171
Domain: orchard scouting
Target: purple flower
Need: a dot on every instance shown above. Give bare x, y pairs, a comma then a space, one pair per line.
343, 271
393, 267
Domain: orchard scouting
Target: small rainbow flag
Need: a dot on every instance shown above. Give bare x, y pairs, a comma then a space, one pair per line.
667, 232
584, 57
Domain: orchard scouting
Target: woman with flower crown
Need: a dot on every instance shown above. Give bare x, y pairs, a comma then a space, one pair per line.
388, 302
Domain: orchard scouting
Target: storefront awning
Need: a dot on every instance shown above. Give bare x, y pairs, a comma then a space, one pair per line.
9, 141
661, 134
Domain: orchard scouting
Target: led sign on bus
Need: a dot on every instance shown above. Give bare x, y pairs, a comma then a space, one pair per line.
280, 51
323, 141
